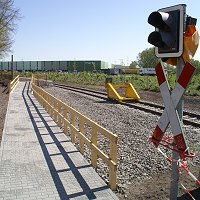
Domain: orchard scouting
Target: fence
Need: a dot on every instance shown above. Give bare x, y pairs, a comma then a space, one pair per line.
67, 118
39, 79
13, 83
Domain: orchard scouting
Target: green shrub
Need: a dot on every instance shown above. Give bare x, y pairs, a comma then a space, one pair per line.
139, 82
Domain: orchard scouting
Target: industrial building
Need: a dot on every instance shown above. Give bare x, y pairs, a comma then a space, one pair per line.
67, 66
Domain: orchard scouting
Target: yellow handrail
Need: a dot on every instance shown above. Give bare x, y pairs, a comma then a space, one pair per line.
37, 78
13, 83
75, 124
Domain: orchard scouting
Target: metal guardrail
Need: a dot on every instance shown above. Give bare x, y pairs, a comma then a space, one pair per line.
74, 123
13, 83
39, 79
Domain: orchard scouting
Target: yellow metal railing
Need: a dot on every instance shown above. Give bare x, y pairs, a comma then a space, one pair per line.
13, 83
39, 79
75, 123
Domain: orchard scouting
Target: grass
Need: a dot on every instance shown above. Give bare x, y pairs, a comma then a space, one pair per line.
140, 82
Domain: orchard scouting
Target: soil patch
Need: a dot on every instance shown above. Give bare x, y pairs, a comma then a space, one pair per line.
3, 108
158, 188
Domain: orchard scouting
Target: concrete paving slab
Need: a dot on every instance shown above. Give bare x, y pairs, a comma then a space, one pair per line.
38, 161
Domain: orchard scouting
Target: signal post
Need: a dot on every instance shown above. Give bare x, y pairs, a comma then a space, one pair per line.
172, 25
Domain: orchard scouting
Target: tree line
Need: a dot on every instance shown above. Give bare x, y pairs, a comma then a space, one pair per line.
9, 14
147, 59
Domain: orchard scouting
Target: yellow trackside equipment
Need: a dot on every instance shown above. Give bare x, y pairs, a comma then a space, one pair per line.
130, 92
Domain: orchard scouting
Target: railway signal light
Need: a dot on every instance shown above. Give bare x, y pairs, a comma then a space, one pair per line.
169, 28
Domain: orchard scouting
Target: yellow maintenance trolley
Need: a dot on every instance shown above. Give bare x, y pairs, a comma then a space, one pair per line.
121, 93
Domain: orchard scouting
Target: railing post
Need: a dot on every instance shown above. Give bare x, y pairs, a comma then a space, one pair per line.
59, 113
65, 119
9, 87
94, 142
39, 97
55, 109
81, 129
73, 137
113, 150
113, 177
43, 102
113, 167
47, 99
52, 106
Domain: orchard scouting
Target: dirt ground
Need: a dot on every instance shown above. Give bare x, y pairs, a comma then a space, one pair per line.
3, 107
158, 188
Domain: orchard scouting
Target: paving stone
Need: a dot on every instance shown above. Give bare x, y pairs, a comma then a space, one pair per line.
38, 161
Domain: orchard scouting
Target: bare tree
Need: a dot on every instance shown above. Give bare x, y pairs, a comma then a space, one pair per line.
8, 17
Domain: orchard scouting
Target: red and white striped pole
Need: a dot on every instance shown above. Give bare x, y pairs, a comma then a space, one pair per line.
175, 155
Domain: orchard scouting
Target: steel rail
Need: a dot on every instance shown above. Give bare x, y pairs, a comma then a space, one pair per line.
103, 95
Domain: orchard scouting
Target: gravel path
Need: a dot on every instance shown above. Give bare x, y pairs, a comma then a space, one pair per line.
137, 160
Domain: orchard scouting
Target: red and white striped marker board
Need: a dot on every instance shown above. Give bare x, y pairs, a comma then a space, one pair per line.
171, 100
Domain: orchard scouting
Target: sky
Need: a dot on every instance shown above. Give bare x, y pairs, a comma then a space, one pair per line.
115, 31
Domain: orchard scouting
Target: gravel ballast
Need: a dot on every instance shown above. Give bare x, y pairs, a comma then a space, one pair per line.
138, 161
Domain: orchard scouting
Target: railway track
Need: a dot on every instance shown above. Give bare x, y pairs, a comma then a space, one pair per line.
189, 118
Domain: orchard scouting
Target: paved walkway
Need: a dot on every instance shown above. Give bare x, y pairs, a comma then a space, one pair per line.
37, 161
